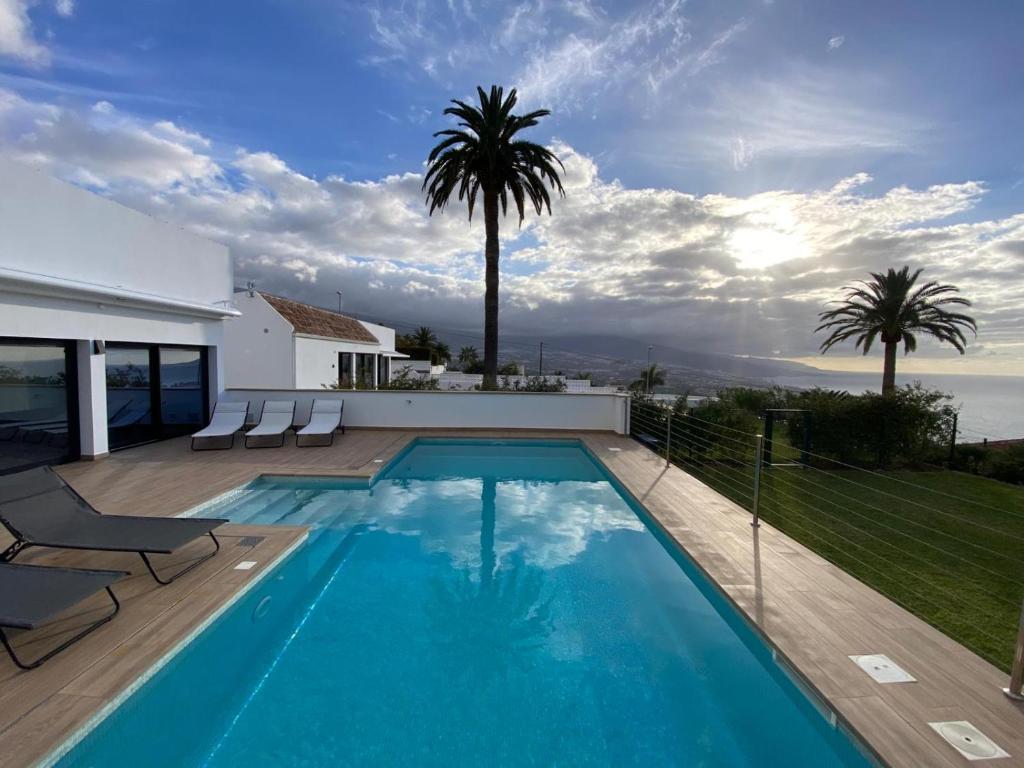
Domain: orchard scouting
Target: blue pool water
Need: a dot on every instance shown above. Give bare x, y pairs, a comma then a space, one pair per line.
481, 604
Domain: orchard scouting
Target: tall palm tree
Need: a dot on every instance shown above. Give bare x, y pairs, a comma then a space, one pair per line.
891, 308
484, 156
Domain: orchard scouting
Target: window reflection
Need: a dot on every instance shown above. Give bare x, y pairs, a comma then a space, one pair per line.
34, 424
129, 402
181, 389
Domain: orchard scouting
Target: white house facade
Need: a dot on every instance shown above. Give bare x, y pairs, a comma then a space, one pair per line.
279, 343
111, 323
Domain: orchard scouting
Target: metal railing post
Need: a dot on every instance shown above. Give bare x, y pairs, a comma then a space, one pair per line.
1016, 689
758, 453
668, 440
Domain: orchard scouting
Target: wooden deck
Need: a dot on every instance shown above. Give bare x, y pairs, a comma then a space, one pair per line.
42, 708
814, 614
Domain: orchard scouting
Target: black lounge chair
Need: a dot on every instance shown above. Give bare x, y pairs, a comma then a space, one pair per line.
31, 595
40, 510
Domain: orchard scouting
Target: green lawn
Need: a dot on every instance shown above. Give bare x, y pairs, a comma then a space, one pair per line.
958, 563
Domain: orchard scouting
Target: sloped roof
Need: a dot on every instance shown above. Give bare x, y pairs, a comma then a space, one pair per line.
316, 321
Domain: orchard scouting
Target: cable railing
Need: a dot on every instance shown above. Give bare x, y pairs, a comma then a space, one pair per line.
919, 537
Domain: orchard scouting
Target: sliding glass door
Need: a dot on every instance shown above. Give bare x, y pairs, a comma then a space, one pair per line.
38, 403
154, 392
130, 417
182, 389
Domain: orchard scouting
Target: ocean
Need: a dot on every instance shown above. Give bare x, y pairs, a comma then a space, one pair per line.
990, 406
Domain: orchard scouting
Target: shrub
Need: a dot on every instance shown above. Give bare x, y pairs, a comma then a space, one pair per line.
532, 384
1007, 464
911, 426
405, 379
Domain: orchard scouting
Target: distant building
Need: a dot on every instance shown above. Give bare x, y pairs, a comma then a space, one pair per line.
112, 323
458, 381
279, 343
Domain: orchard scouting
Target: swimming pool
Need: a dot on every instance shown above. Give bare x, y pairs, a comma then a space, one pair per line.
482, 603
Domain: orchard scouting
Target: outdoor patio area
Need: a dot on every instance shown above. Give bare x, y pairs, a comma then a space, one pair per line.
811, 612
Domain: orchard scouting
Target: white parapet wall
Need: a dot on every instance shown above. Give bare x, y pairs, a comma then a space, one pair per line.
414, 409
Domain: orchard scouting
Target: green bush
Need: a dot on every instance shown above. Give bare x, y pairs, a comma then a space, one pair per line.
910, 427
1000, 462
532, 384
404, 379
1007, 464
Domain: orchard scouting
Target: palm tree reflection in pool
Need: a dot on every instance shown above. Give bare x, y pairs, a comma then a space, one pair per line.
488, 628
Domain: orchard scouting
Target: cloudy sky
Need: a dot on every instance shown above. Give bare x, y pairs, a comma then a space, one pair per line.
729, 165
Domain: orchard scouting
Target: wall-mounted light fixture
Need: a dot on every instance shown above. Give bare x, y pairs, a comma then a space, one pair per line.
99, 347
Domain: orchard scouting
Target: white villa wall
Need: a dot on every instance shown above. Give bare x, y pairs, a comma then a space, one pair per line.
48, 317
52, 228
316, 359
458, 410
421, 367
259, 350
76, 266
385, 335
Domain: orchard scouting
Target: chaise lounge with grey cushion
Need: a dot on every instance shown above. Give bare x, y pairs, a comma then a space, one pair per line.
41, 510
324, 421
276, 419
33, 595
228, 419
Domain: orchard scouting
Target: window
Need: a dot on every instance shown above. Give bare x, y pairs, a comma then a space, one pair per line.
154, 392
364, 371
182, 389
345, 370
38, 403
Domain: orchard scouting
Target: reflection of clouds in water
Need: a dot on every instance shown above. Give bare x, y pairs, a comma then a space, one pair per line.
548, 524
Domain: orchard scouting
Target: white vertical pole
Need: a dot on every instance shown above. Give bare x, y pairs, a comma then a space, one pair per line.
92, 401
758, 453
376, 370
1016, 689
668, 439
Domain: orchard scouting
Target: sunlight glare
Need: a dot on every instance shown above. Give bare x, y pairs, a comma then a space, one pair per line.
761, 247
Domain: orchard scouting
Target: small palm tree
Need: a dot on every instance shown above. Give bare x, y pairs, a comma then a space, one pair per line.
468, 356
442, 352
650, 377
891, 308
483, 156
424, 337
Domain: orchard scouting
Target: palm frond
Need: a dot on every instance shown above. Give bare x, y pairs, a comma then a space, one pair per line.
481, 155
890, 307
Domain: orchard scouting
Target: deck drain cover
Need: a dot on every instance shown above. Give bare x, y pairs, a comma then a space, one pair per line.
246, 565
882, 669
968, 740
615, 450
250, 541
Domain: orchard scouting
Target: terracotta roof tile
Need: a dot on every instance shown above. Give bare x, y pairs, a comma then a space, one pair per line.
320, 322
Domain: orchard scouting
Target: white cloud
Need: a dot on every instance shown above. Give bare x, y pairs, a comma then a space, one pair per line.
836, 42
17, 38
104, 145
799, 114
743, 274
567, 53
642, 50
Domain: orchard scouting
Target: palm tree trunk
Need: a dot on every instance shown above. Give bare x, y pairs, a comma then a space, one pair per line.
889, 371
491, 291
